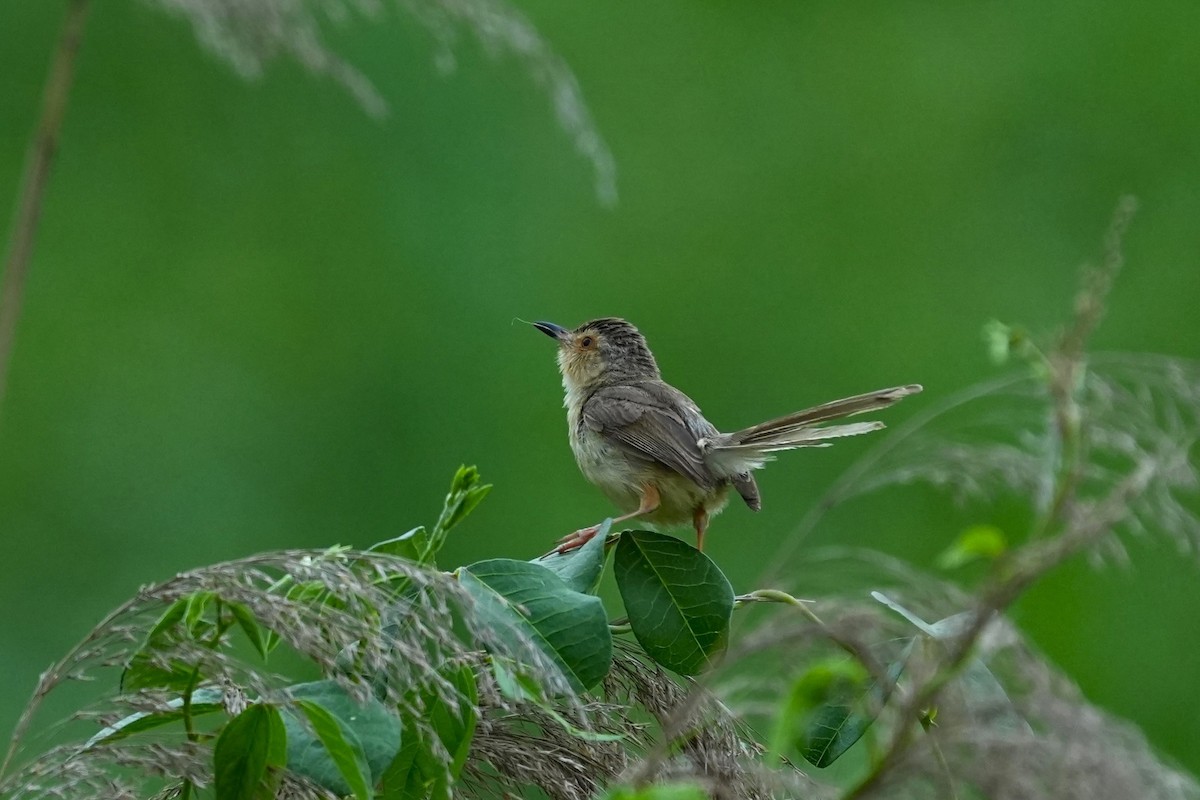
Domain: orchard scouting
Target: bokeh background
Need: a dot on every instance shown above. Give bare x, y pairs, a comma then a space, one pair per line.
258, 318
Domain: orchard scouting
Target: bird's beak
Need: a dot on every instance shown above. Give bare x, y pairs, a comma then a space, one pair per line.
553, 331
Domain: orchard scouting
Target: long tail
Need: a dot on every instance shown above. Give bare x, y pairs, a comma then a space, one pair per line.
802, 429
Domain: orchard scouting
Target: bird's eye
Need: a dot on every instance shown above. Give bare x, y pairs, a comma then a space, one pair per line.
585, 341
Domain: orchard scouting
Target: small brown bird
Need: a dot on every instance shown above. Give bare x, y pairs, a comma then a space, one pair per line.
648, 447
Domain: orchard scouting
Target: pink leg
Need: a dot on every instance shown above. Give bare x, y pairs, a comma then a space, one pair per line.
700, 522
650, 501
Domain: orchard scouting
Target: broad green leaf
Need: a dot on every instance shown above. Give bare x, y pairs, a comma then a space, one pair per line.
340, 749
249, 625
820, 717
249, 755
580, 569
525, 602
679, 603
670, 791
419, 771
346, 744
403, 780
976, 543
830, 731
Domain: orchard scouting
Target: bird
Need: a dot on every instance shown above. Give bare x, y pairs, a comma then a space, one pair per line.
647, 445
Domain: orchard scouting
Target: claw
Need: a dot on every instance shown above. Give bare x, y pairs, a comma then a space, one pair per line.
586, 533
575, 540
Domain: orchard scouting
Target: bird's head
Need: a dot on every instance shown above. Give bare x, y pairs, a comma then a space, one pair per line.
600, 352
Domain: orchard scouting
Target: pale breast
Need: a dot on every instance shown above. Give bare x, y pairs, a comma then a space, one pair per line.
607, 466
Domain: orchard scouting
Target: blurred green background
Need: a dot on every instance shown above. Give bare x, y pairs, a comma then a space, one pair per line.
258, 318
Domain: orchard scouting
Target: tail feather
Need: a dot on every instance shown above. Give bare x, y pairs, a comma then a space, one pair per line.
751, 447
792, 438
846, 407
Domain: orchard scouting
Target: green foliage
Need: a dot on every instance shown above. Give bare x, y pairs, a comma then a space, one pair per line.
412, 545
249, 755
669, 791
249, 625
679, 603
550, 642
529, 602
465, 494
581, 569
345, 743
976, 543
830, 706
420, 545
820, 718
981, 690
201, 703
538, 635
422, 770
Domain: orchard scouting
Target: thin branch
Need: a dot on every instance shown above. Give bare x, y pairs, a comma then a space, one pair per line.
1079, 524
33, 183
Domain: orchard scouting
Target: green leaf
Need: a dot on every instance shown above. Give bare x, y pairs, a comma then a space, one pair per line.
197, 604
518, 686
827, 710
456, 726
169, 618
148, 671
978, 542
670, 791
581, 569
418, 771
998, 338
249, 625
145, 670
249, 755
307, 592
412, 545
340, 749
526, 602
346, 744
679, 603
204, 701
465, 493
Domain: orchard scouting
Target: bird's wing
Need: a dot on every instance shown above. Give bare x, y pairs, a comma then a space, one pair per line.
649, 420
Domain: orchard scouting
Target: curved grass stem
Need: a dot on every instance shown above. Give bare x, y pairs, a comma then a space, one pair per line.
38, 161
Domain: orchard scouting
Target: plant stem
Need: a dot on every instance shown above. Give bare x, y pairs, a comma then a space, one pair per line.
33, 181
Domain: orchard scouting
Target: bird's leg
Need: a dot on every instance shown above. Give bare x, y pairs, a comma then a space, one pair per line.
700, 522
650, 501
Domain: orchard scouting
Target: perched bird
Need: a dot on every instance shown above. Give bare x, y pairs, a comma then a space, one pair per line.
648, 447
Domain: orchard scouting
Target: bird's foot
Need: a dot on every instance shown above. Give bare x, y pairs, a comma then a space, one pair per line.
575, 540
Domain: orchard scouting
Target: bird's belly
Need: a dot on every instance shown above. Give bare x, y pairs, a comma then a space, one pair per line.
623, 478
620, 477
